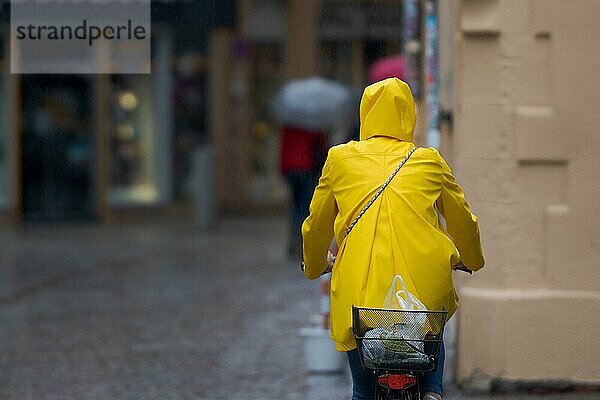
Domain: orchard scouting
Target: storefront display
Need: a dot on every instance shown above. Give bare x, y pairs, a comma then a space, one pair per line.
141, 131
132, 140
97, 147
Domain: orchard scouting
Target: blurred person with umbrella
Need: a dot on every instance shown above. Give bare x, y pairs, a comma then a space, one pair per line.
307, 109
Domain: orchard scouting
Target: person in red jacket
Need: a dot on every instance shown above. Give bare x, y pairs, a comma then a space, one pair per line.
301, 159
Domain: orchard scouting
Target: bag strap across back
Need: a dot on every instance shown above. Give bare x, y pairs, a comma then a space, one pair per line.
385, 184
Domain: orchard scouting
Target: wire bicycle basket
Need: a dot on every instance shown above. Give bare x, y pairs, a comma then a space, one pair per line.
398, 340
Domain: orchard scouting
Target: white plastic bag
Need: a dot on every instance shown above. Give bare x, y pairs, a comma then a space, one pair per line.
402, 299
413, 324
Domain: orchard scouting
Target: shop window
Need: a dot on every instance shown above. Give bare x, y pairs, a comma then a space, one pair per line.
132, 141
266, 61
57, 147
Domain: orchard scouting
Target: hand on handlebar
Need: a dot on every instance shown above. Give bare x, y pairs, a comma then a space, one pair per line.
330, 258
331, 255
330, 262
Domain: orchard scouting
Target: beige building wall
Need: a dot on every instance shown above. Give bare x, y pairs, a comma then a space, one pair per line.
527, 151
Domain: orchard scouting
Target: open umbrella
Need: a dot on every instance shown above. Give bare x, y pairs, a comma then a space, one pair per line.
313, 103
388, 67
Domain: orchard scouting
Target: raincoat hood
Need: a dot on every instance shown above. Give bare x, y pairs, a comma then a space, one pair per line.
388, 109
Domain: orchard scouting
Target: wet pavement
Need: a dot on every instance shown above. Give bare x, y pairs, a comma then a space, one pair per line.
153, 312
159, 312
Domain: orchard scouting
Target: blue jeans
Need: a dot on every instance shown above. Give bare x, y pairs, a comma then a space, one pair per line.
363, 381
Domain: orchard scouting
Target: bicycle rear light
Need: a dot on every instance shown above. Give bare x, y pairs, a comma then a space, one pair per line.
397, 381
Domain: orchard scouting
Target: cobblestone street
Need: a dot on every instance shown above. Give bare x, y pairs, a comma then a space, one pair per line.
157, 312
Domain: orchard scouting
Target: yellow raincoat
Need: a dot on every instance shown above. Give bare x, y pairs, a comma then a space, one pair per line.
400, 233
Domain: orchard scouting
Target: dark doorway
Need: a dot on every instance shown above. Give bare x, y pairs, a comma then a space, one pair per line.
58, 148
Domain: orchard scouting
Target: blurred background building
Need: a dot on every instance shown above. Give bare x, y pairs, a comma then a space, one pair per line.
108, 147
506, 88
277, 41
102, 147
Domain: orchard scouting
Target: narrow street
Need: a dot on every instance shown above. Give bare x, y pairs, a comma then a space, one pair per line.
157, 312
153, 312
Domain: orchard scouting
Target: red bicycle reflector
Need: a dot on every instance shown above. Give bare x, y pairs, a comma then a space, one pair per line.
397, 381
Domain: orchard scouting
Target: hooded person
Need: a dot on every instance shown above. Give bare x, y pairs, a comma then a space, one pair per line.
400, 234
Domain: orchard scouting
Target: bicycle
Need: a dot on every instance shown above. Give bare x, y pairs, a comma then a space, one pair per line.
398, 346
411, 347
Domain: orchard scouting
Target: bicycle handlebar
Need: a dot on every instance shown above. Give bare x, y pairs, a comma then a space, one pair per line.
458, 267
464, 269
327, 270
461, 267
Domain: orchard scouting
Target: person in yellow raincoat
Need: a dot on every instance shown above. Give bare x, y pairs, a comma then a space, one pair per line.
399, 234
